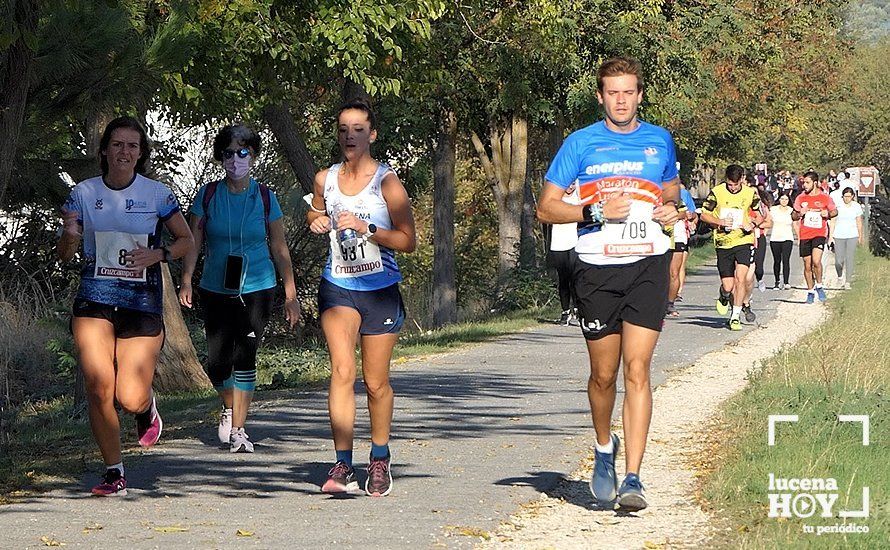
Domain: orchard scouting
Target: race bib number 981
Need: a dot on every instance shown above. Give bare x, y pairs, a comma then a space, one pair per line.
354, 258
111, 251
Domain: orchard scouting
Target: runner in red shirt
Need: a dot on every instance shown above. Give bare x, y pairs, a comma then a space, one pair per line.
813, 208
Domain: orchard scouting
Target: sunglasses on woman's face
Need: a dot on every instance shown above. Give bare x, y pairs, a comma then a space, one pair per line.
242, 153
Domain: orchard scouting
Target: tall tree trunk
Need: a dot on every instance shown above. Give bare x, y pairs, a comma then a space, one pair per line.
178, 365
14, 84
281, 122
87, 166
444, 303
505, 171
527, 244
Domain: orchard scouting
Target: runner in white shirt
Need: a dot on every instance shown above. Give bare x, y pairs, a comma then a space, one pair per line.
846, 234
781, 240
362, 207
117, 321
563, 237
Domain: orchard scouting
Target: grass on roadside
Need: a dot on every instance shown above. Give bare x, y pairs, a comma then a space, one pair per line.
50, 447
699, 255
842, 367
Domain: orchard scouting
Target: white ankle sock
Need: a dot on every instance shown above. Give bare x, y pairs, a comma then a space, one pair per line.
608, 448
119, 466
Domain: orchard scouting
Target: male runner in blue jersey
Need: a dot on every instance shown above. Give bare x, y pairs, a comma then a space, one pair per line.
627, 175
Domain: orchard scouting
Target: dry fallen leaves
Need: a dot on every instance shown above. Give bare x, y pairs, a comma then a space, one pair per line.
469, 531
244, 533
49, 541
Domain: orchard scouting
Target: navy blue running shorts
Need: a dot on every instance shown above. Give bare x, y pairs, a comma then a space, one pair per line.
382, 311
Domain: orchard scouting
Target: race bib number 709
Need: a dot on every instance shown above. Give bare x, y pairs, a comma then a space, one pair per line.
633, 237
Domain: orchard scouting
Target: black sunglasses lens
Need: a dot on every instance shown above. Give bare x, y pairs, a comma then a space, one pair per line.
242, 153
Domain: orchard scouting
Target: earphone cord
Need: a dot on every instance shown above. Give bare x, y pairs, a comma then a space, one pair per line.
240, 238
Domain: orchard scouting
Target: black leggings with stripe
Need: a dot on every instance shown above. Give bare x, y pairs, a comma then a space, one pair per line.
234, 328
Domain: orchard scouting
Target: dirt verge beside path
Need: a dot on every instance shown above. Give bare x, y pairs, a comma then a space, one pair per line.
683, 409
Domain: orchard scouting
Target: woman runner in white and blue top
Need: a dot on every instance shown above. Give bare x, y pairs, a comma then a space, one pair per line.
117, 320
364, 208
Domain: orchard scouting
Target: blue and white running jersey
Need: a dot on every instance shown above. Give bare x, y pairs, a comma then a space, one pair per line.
115, 221
365, 266
605, 162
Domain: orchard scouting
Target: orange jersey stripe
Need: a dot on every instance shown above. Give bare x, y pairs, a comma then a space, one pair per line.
639, 189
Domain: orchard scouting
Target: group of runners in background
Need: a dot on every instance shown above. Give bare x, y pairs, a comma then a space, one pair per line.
622, 227
747, 217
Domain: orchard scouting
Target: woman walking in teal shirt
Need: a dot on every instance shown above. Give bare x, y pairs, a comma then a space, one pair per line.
239, 221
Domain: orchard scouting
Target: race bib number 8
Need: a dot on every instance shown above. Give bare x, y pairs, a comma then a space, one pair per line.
635, 236
355, 258
813, 219
111, 255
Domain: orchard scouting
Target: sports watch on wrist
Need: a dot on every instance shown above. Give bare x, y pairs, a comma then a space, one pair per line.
593, 213
372, 229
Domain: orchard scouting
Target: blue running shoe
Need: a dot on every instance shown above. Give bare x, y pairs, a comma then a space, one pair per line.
811, 297
604, 482
820, 292
631, 496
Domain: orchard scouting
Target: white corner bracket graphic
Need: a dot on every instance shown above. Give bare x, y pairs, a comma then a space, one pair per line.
858, 513
773, 418
861, 418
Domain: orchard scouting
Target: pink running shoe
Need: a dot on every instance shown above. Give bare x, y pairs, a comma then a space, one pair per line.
113, 484
150, 432
341, 479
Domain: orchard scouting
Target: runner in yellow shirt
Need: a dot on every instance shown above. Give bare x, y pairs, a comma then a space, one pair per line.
728, 209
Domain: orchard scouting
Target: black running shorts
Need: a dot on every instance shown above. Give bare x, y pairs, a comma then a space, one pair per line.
607, 296
681, 247
127, 323
728, 258
808, 245
382, 310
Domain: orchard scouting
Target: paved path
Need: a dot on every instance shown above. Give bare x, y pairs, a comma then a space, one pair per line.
476, 434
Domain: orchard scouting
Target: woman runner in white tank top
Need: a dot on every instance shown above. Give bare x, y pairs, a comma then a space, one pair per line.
365, 210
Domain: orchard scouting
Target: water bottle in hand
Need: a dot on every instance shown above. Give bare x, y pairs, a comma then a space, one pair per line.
346, 236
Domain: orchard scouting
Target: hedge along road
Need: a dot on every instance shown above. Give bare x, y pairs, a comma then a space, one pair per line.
476, 433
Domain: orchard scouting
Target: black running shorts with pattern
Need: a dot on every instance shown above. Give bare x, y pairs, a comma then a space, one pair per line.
607, 296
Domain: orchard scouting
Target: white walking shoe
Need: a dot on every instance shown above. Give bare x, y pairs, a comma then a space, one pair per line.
225, 425
239, 442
